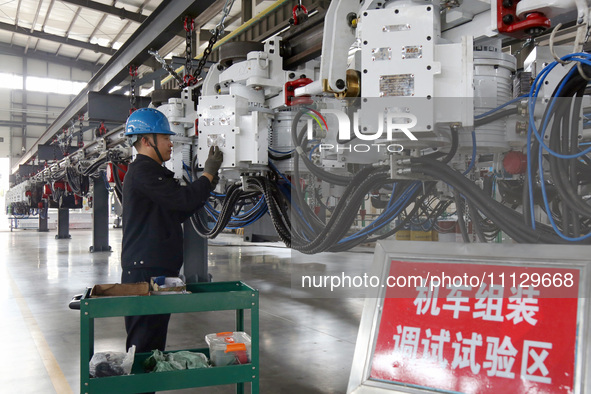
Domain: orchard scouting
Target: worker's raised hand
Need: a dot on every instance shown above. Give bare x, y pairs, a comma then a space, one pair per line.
214, 160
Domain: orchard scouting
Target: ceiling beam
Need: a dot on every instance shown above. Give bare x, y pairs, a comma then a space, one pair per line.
18, 10
118, 36
159, 27
33, 25
14, 123
76, 14
56, 38
141, 7
46, 16
44, 21
97, 27
108, 9
36, 16
15, 50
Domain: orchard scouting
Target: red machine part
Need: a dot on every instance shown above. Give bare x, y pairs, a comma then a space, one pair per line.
290, 88
102, 130
298, 10
189, 24
62, 186
515, 163
122, 170
46, 190
508, 23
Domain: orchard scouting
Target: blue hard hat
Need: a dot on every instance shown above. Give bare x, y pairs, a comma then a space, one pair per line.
147, 121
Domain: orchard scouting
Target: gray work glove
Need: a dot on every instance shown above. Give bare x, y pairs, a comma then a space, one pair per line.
215, 181
214, 160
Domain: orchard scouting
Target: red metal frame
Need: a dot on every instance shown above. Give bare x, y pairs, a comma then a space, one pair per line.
509, 24
290, 88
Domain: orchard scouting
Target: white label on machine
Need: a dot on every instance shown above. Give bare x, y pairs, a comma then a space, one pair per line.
392, 28
397, 85
381, 54
412, 52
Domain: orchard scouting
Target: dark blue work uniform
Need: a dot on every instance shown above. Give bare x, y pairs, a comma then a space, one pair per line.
154, 206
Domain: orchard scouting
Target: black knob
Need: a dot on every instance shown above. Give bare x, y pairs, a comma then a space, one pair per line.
508, 19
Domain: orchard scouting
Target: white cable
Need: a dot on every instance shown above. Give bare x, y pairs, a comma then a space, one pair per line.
551, 44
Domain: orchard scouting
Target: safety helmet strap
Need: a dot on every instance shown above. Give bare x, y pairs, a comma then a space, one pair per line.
155, 146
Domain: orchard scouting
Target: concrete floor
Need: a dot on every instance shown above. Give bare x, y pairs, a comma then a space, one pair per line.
306, 344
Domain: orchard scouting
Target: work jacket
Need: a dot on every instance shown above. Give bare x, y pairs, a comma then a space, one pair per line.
154, 206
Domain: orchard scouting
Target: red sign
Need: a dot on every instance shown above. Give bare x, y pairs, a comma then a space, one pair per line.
478, 336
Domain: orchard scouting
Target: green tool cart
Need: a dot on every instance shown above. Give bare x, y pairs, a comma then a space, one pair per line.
204, 297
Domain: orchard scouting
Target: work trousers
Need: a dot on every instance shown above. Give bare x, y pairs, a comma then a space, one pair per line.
147, 332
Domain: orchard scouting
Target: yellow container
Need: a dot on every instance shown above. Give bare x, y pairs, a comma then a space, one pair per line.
403, 235
420, 235
434, 236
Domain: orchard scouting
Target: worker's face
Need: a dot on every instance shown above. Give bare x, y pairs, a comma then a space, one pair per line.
163, 144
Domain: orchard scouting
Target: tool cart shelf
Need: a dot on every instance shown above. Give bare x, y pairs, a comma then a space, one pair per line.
204, 297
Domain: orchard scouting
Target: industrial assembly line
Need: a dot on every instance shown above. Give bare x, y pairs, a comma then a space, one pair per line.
459, 117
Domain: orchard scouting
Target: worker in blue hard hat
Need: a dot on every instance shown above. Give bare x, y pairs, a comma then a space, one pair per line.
154, 207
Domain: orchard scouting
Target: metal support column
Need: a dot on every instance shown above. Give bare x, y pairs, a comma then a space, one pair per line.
43, 218
247, 6
195, 255
63, 224
100, 217
24, 108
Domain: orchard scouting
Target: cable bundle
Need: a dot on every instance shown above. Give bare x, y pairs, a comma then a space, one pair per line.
569, 166
231, 215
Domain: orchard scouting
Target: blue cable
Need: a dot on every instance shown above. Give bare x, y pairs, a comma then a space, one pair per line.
547, 206
536, 86
472, 162
281, 153
237, 222
312, 151
391, 195
104, 174
538, 83
235, 225
258, 205
381, 221
186, 168
532, 127
279, 172
531, 105
287, 194
386, 216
